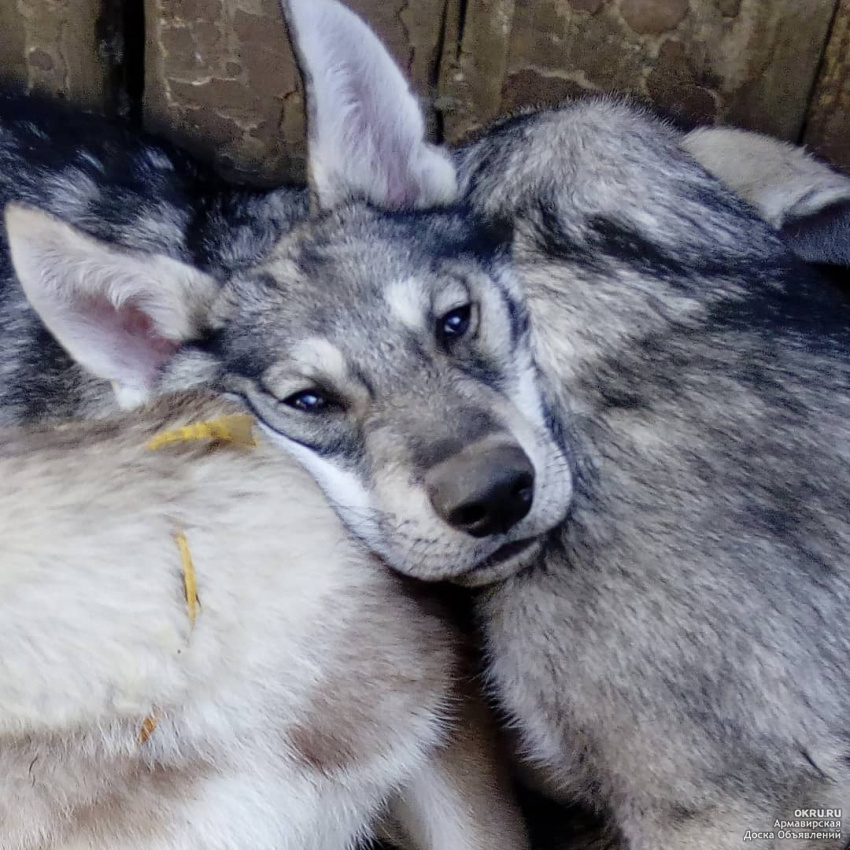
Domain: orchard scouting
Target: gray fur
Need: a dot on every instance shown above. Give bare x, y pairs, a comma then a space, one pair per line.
674, 648
687, 663
678, 655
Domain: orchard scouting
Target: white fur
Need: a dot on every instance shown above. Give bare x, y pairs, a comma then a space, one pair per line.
407, 301
129, 398
367, 134
309, 690
317, 355
436, 791
344, 489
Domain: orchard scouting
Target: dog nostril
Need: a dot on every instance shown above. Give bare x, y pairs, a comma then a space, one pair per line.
467, 517
524, 494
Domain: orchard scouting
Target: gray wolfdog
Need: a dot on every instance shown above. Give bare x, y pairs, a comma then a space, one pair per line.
566, 367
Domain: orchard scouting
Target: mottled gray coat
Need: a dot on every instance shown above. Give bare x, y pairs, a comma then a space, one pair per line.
666, 626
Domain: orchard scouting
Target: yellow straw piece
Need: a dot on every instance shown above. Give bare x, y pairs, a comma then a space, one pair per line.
237, 428
190, 584
148, 728
193, 605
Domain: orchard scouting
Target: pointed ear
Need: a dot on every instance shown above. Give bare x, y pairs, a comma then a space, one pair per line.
120, 315
366, 133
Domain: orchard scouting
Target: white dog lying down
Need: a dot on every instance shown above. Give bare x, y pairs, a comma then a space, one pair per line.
276, 705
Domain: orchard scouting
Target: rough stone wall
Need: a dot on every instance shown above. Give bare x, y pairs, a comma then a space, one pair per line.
219, 77
746, 62
70, 47
828, 121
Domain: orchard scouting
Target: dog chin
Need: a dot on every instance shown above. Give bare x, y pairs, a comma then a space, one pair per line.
502, 564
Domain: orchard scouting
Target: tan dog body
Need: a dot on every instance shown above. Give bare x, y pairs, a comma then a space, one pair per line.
310, 688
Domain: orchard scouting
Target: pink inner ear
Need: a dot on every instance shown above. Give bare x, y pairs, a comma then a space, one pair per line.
131, 350
138, 324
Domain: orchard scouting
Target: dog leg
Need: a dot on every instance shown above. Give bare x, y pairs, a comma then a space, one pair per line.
462, 798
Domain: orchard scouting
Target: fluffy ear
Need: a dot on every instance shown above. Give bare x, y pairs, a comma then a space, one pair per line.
806, 200
366, 134
120, 315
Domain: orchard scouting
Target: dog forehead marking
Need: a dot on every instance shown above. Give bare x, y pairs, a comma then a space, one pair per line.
320, 355
408, 302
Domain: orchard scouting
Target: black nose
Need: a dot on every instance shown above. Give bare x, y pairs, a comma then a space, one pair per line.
485, 489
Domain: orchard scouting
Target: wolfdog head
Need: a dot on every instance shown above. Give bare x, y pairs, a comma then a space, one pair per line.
385, 343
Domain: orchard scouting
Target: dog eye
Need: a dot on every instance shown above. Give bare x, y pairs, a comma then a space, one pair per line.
455, 323
309, 401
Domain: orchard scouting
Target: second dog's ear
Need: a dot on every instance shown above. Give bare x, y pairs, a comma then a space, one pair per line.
366, 133
120, 315
805, 199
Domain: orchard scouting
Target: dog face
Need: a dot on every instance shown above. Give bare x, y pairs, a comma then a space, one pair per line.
391, 354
